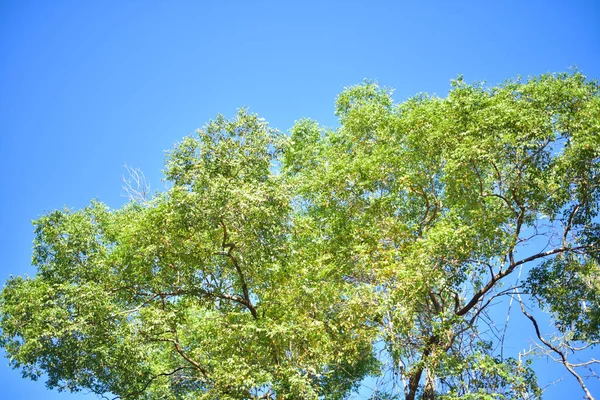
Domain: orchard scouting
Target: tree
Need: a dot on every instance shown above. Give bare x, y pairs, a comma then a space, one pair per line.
296, 266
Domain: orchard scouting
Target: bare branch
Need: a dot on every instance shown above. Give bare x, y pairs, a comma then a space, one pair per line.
563, 357
570, 224
136, 185
513, 264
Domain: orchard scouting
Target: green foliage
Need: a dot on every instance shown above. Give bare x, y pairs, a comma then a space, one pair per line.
294, 267
570, 286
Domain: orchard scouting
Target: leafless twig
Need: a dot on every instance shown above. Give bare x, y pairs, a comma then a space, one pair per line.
135, 185
561, 354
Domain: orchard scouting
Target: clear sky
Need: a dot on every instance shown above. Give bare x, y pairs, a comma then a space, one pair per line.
87, 86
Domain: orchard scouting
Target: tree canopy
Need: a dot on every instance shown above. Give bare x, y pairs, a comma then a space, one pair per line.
298, 266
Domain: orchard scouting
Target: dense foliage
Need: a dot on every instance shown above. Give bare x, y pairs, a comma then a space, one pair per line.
299, 266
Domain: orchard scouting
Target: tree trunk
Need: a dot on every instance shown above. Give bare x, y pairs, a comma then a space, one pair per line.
413, 384
429, 390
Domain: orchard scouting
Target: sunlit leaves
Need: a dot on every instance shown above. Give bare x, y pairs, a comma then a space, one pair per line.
295, 266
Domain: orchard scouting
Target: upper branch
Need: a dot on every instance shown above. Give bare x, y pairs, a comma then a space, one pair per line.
513, 264
229, 254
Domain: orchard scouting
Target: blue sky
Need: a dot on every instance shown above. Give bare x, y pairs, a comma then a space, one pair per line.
87, 86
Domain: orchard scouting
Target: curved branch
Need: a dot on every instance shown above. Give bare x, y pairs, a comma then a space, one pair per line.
514, 264
229, 254
563, 357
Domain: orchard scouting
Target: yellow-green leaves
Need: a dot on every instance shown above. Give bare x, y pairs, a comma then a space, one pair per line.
293, 267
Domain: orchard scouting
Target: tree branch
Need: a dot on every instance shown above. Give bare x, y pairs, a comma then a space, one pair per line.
492, 282
563, 357
229, 254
